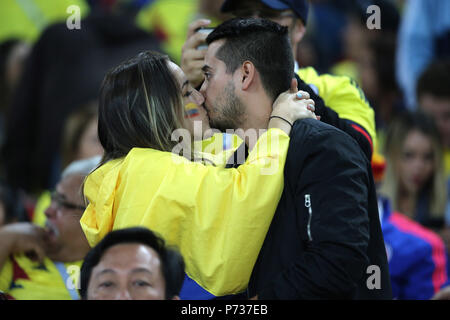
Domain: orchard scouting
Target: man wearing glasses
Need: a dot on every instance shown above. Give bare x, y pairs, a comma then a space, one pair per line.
44, 263
338, 100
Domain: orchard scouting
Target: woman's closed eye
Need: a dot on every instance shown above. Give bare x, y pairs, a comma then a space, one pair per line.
207, 75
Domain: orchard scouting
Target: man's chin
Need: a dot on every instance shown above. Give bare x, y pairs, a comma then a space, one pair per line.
51, 237
222, 127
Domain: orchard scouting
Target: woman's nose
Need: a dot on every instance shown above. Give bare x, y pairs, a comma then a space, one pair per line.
197, 97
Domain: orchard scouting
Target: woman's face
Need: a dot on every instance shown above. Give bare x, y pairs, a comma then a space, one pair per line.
416, 162
197, 121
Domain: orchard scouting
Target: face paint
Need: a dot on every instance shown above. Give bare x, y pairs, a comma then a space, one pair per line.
191, 110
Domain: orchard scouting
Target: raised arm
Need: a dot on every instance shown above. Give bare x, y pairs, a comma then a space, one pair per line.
217, 217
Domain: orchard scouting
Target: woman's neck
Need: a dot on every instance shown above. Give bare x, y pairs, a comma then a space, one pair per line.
407, 204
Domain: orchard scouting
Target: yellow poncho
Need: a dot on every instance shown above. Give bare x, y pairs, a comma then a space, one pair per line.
217, 217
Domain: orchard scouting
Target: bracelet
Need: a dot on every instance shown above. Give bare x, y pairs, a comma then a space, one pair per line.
281, 119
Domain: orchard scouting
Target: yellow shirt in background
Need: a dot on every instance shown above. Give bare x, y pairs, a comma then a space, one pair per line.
169, 21
344, 96
24, 279
447, 162
25, 19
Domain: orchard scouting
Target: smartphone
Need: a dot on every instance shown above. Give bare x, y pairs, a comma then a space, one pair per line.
205, 30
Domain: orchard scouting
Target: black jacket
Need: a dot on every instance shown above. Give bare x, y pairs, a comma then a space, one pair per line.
326, 230
328, 115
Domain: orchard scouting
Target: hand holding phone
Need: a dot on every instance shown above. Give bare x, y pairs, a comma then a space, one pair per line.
192, 57
204, 30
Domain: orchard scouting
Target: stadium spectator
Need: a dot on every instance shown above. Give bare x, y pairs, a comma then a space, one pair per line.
415, 181
43, 263
131, 264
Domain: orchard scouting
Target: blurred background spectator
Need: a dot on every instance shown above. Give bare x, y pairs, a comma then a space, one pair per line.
433, 96
424, 36
13, 53
416, 255
169, 20
415, 180
80, 141
11, 207
64, 71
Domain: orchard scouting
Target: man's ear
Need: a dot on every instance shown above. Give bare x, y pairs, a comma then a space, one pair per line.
248, 74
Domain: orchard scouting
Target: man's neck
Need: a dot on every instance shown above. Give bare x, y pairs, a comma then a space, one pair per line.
259, 110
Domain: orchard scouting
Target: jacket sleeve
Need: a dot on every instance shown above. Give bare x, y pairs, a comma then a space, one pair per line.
342, 104
330, 193
215, 216
428, 274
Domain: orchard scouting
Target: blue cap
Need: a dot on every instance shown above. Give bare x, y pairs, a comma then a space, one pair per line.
300, 7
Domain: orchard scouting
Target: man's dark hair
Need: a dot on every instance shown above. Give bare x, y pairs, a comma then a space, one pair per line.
172, 263
435, 80
262, 42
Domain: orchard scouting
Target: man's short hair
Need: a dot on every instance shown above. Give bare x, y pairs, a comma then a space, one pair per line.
81, 167
172, 263
262, 42
435, 80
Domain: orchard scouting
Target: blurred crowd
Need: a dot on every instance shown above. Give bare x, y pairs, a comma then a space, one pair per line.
398, 53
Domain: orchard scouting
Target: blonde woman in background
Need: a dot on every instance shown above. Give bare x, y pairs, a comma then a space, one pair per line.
415, 180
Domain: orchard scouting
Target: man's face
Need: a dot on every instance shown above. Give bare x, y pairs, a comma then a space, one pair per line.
225, 109
64, 213
129, 271
439, 109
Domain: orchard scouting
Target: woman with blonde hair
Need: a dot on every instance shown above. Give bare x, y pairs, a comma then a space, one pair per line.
217, 217
415, 180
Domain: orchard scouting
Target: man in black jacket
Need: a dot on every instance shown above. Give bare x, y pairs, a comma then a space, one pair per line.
325, 241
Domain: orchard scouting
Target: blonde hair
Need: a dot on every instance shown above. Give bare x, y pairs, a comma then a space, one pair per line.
140, 106
395, 139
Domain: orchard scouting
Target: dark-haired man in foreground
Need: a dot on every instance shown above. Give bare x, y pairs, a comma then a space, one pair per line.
131, 264
326, 233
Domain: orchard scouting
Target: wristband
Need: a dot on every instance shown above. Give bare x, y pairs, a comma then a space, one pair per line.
281, 119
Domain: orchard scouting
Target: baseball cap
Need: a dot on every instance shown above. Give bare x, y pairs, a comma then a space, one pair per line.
300, 7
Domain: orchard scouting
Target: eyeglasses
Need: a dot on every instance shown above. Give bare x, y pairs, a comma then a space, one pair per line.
59, 200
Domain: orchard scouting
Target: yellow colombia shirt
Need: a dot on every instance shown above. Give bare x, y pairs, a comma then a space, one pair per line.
344, 96
217, 217
24, 279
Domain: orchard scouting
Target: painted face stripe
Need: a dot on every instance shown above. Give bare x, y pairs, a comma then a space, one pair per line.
191, 110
